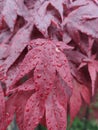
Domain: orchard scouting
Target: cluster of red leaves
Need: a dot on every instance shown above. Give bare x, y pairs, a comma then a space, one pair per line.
48, 60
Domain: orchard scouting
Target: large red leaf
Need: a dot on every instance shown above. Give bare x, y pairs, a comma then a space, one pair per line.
48, 53
43, 59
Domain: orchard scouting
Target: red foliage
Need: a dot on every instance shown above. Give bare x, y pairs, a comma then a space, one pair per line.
48, 60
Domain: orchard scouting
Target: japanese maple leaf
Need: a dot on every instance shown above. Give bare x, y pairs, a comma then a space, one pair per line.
46, 58
11, 9
58, 5
56, 105
77, 3
75, 57
91, 63
3, 48
5, 35
58, 108
40, 13
18, 44
45, 77
41, 109
92, 68
79, 91
40, 51
82, 19
1, 5
55, 113
13, 104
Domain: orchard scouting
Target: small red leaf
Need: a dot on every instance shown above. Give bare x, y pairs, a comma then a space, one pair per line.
55, 114
75, 102
13, 8
93, 75
85, 94
32, 119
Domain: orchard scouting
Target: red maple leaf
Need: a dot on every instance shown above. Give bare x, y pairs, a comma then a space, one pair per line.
47, 65
47, 60
80, 91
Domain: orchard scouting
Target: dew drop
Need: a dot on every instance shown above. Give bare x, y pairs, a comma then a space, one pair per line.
29, 124
56, 126
38, 105
37, 88
59, 65
7, 114
57, 50
25, 88
29, 47
27, 119
27, 110
50, 84
65, 77
36, 123
44, 78
45, 65
39, 76
41, 95
36, 82
48, 122
37, 69
40, 117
